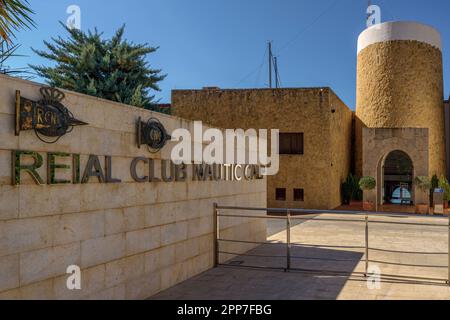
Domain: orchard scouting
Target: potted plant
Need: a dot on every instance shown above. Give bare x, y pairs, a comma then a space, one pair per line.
424, 185
354, 190
434, 185
367, 184
444, 185
347, 193
351, 193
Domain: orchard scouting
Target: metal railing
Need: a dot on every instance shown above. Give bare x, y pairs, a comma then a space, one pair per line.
304, 214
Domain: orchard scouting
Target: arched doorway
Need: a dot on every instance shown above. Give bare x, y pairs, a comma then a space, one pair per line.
398, 173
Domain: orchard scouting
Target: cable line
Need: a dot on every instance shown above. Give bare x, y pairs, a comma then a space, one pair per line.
287, 44
252, 72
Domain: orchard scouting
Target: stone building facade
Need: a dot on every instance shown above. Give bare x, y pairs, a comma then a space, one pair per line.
447, 133
400, 86
399, 111
324, 121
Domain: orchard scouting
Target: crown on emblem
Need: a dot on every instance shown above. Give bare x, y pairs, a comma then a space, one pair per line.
52, 95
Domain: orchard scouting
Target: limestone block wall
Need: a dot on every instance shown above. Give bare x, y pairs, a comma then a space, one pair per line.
130, 239
327, 134
400, 85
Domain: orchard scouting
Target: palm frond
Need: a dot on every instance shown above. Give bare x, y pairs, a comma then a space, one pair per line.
14, 15
9, 51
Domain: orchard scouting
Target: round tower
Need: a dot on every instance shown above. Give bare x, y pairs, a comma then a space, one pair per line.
400, 85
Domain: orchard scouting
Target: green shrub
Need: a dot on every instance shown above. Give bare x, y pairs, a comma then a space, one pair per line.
423, 183
351, 190
346, 192
434, 185
367, 183
444, 185
434, 182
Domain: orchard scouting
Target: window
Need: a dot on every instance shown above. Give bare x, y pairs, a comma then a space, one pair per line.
280, 194
291, 143
299, 195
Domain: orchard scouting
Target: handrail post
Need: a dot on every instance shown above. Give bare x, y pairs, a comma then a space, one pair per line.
366, 272
288, 242
216, 235
448, 279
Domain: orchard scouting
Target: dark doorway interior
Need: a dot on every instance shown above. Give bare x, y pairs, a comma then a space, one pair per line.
398, 179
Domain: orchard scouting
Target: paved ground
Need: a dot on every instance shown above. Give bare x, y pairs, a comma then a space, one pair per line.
417, 257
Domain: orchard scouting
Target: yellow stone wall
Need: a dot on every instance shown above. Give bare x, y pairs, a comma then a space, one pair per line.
131, 240
341, 146
400, 85
327, 136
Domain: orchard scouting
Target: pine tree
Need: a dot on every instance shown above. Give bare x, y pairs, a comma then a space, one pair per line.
113, 69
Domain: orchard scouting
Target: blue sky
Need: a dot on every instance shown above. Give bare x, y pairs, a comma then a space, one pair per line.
222, 42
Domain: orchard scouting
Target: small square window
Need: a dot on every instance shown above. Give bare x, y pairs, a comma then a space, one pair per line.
280, 194
299, 195
291, 143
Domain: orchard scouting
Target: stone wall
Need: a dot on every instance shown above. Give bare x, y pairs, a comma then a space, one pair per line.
327, 135
400, 85
130, 239
341, 147
447, 135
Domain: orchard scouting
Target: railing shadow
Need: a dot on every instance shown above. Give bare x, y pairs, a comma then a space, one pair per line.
343, 262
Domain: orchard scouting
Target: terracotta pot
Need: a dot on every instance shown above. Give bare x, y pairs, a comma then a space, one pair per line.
445, 204
354, 203
368, 206
422, 209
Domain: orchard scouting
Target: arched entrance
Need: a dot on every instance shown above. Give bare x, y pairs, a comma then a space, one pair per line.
398, 173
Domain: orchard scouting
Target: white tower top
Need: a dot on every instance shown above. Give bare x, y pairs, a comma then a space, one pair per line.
399, 30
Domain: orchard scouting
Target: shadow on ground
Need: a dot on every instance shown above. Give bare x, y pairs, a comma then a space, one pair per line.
412, 260
232, 282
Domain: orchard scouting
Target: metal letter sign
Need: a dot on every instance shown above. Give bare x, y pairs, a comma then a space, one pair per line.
47, 117
153, 134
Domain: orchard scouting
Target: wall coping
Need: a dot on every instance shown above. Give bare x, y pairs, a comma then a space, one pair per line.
85, 96
398, 31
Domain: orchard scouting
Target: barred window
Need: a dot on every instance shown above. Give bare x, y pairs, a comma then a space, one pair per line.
280, 194
291, 143
299, 195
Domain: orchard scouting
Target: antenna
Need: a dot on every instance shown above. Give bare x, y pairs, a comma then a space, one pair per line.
270, 63
277, 75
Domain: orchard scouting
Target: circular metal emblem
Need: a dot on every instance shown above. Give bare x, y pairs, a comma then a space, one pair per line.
58, 118
155, 135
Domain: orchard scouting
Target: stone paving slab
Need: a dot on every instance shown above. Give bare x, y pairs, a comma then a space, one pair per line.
337, 246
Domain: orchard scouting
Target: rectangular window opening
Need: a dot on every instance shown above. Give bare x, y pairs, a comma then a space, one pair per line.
291, 143
280, 194
299, 195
